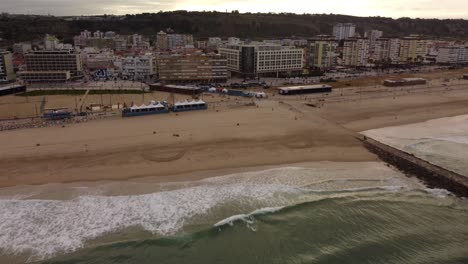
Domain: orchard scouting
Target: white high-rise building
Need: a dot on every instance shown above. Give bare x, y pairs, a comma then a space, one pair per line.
356, 52
387, 50
456, 54
344, 31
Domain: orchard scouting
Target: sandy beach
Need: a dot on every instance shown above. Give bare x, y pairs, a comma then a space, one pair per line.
72, 189
279, 130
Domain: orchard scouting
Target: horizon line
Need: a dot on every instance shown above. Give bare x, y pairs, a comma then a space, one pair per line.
229, 12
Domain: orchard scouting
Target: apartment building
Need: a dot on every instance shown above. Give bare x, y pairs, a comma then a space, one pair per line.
344, 31
179, 40
322, 51
139, 67
166, 41
413, 48
356, 52
386, 50
56, 61
198, 67
453, 54
162, 41
7, 73
262, 58
373, 35
97, 39
214, 42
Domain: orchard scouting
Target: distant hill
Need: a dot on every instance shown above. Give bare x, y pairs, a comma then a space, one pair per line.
16, 28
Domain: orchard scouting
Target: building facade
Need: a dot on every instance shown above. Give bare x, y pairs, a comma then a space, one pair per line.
139, 67
356, 52
386, 50
454, 54
412, 49
197, 67
261, 58
372, 35
344, 31
7, 73
53, 61
322, 51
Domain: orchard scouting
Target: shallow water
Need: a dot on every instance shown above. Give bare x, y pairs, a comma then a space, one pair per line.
325, 212
356, 227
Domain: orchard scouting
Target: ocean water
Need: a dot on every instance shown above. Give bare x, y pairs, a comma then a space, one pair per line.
443, 141
325, 212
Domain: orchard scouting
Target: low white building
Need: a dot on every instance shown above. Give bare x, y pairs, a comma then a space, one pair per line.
139, 67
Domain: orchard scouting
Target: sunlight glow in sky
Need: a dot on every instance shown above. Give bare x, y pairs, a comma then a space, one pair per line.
387, 8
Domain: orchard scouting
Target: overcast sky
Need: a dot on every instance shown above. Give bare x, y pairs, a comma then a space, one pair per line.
388, 8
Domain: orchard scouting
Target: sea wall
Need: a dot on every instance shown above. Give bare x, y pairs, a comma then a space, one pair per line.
432, 175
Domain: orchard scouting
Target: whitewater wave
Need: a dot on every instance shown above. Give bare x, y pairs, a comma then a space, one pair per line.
248, 218
46, 227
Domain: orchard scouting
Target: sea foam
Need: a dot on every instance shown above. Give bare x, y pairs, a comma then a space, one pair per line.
45, 227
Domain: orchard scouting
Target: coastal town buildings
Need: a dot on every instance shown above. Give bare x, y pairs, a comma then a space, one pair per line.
413, 48
139, 67
262, 58
386, 50
162, 41
197, 67
166, 41
356, 52
7, 73
344, 31
372, 35
322, 51
214, 43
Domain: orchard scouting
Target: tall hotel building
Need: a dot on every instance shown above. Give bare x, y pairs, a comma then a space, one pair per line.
322, 51
262, 58
344, 31
356, 52
413, 48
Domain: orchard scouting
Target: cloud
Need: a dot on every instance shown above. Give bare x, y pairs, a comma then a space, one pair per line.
389, 8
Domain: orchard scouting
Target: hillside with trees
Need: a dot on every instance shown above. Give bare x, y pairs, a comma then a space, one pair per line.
14, 28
